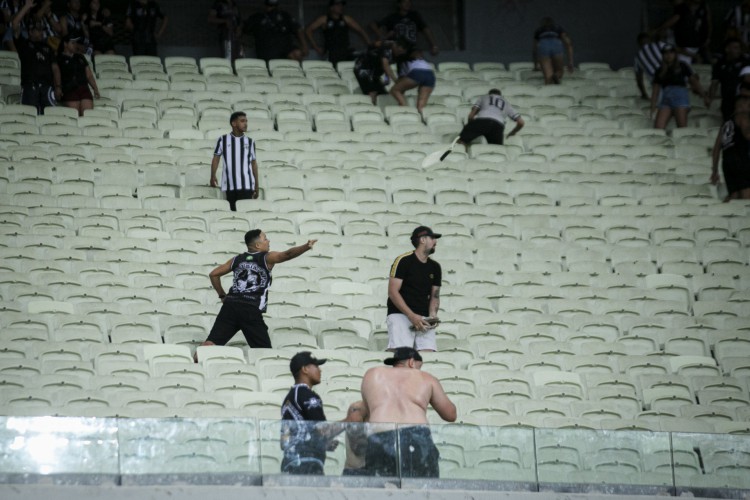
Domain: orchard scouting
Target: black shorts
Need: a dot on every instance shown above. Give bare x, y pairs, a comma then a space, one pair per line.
39, 95
492, 130
419, 455
369, 83
236, 315
234, 195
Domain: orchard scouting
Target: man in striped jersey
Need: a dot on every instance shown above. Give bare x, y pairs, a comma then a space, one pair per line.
414, 294
239, 175
647, 61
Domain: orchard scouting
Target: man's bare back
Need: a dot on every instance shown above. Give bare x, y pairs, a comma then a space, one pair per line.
401, 394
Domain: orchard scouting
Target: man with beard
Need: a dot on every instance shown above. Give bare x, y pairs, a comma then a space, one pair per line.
414, 294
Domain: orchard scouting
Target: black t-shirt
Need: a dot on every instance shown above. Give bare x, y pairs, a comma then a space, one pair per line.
677, 76
301, 409
251, 280
36, 61
273, 32
727, 73
336, 34
72, 71
692, 28
406, 26
144, 17
371, 61
418, 278
228, 11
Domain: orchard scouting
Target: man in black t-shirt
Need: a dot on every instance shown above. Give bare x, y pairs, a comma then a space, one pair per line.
141, 18
244, 305
305, 438
277, 35
40, 74
404, 23
414, 294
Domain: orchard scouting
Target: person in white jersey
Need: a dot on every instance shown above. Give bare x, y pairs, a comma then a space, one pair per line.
487, 118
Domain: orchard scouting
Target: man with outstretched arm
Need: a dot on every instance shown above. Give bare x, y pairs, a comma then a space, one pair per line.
243, 306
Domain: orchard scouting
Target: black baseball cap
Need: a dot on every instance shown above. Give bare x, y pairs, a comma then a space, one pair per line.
402, 354
272, 2
334, 2
422, 231
302, 359
668, 47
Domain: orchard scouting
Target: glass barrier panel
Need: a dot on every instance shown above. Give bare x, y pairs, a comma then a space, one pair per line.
481, 453
600, 460
711, 464
194, 448
84, 449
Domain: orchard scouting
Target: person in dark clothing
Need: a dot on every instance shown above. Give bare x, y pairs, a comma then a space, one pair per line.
303, 438
98, 22
335, 26
243, 306
75, 76
225, 14
691, 25
372, 66
733, 146
40, 74
404, 23
277, 35
142, 18
725, 75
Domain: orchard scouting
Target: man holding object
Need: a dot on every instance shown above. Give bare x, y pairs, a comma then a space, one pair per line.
414, 294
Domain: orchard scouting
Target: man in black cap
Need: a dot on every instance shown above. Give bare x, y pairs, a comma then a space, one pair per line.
275, 32
414, 294
396, 401
303, 438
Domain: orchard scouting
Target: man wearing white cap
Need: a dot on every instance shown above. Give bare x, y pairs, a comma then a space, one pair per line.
414, 294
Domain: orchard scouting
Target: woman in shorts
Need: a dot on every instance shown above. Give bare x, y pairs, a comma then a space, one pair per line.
669, 89
414, 72
75, 76
550, 41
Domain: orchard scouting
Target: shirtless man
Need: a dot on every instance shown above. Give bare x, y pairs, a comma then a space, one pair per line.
356, 440
400, 395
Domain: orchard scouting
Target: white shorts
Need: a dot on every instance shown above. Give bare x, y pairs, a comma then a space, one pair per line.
400, 334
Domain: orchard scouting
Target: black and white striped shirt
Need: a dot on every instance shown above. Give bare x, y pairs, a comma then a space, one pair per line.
237, 155
648, 59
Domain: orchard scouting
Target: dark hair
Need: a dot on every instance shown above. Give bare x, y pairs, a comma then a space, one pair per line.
251, 236
643, 36
495, 92
235, 115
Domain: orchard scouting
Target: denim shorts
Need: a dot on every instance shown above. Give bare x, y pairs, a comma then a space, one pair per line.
549, 47
424, 77
674, 96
